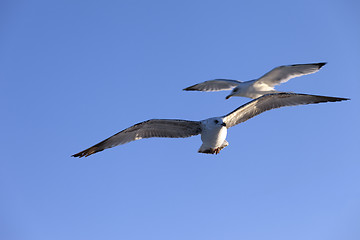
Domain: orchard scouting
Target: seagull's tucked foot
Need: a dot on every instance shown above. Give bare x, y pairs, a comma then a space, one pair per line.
207, 151
214, 150
211, 151
217, 150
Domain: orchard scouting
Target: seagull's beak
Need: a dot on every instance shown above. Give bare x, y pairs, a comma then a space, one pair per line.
228, 96
223, 124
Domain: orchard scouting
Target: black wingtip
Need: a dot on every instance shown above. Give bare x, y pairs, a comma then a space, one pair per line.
78, 155
344, 99
338, 99
321, 64
84, 153
334, 99
191, 88
91, 150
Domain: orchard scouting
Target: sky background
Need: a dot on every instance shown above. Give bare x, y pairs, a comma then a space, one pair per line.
76, 72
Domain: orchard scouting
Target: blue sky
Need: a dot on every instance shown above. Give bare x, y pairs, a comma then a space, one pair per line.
76, 72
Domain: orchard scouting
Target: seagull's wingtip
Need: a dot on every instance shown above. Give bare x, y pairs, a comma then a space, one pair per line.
87, 152
339, 99
321, 64
191, 88
78, 155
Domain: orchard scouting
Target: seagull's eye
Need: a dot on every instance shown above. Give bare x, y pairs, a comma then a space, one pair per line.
216, 121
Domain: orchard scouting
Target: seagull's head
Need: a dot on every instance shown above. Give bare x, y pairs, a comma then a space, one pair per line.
234, 92
215, 122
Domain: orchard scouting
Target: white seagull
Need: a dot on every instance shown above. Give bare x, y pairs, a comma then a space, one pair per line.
258, 87
213, 130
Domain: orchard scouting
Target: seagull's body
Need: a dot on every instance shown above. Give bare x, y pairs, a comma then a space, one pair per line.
258, 87
213, 130
213, 135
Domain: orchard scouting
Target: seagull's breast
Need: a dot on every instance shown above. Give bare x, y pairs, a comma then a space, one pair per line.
213, 137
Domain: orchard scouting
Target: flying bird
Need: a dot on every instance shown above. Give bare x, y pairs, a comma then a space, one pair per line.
258, 87
213, 130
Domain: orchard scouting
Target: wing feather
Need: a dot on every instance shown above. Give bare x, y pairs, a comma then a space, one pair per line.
214, 85
167, 128
272, 101
285, 73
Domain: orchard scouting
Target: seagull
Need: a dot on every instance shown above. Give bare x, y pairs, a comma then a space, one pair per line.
213, 130
258, 87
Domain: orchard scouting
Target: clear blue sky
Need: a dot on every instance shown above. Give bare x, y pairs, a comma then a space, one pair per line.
75, 72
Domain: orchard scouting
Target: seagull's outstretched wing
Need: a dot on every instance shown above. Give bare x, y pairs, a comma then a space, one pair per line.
271, 101
285, 73
168, 128
214, 85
